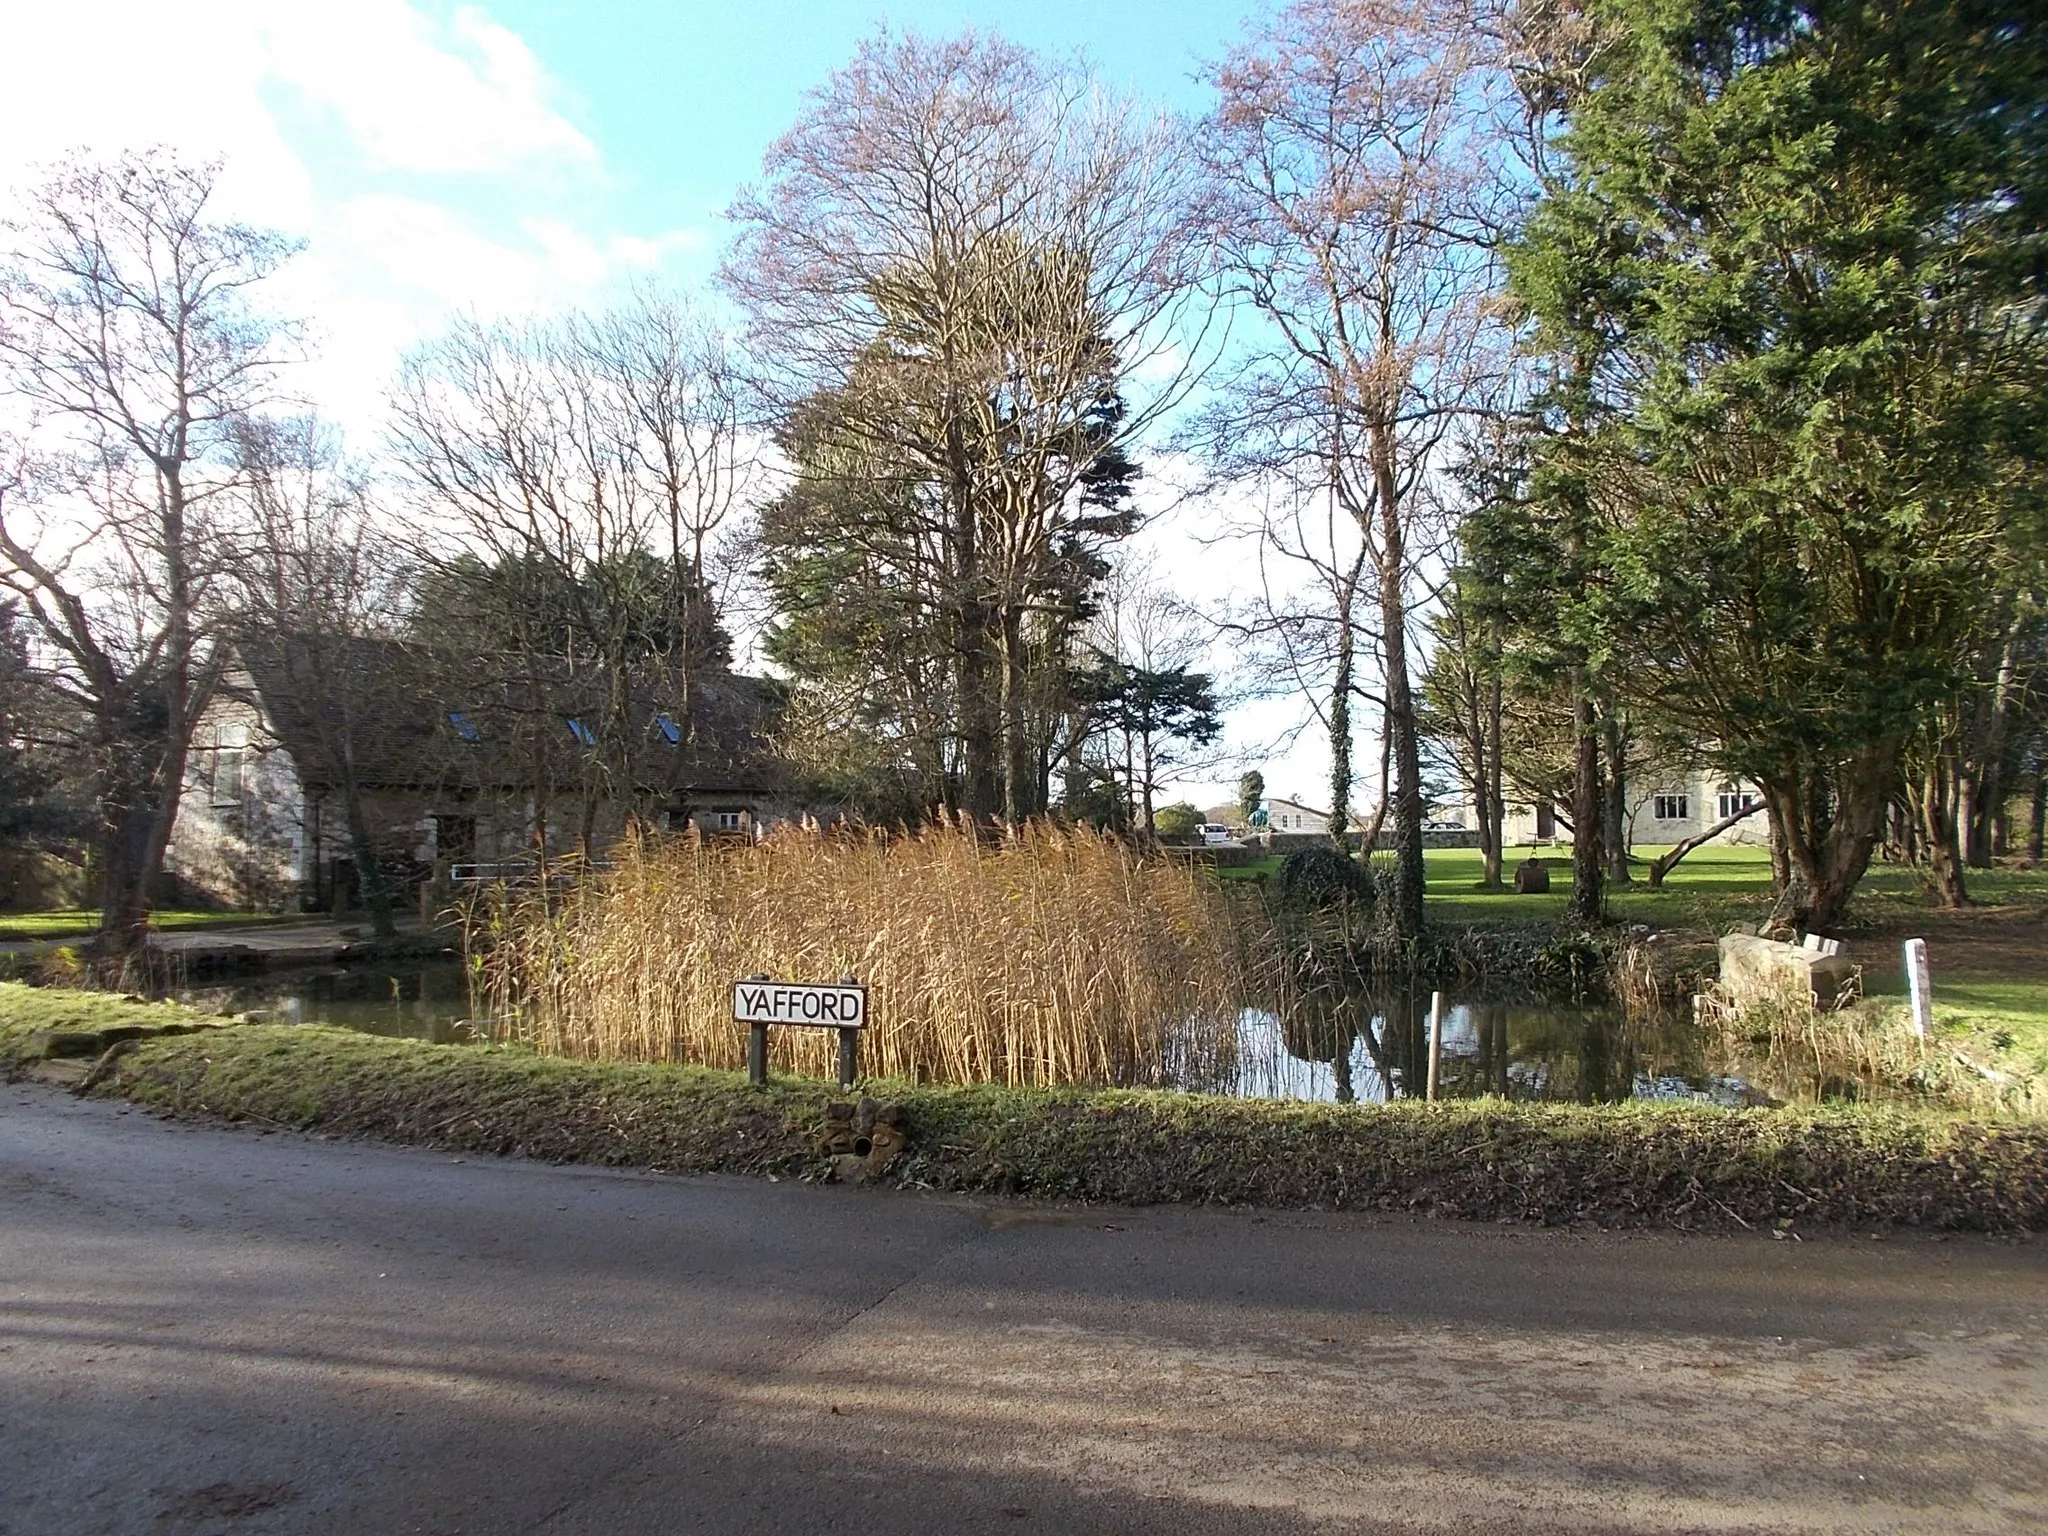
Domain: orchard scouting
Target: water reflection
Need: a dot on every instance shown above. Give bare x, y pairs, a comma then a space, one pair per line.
424, 1000
1375, 1047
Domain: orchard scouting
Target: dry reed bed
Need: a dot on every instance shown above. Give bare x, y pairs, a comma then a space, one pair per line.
1050, 957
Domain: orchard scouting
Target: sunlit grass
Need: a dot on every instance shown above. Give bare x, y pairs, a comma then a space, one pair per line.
82, 923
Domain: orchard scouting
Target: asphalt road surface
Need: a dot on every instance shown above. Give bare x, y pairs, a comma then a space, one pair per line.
215, 1330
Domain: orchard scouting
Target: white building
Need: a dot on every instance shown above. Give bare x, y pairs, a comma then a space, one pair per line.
1666, 807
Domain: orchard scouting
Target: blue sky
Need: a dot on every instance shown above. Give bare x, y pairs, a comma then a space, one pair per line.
503, 157
684, 97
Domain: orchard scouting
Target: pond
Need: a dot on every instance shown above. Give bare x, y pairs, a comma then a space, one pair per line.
1365, 1049
1372, 1049
408, 999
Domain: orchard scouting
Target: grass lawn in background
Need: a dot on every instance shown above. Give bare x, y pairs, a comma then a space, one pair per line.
79, 923
1712, 888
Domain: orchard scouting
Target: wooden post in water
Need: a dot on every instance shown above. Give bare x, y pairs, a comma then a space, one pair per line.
1436, 1039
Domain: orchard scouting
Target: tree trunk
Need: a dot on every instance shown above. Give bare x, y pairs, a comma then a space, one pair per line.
1665, 863
1614, 801
1016, 743
1404, 907
1827, 857
1781, 851
2037, 822
1340, 727
1941, 822
124, 888
1982, 834
1495, 813
1145, 762
1585, 902
1968, 828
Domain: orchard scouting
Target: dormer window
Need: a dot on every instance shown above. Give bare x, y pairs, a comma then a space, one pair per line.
670, 731
584, 735
464, 727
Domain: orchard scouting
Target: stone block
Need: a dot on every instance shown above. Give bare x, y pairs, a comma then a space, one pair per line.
1759, 970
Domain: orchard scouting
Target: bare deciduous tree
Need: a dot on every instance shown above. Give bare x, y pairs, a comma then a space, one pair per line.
576, 474
1355, 192
129, 337
979, 256
311, 600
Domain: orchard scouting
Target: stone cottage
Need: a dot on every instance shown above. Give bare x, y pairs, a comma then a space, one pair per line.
454, 765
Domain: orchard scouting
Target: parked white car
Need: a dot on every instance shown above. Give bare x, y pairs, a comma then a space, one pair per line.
1215, 835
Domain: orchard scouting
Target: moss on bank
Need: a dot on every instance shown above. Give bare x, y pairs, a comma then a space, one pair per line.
1621, 1165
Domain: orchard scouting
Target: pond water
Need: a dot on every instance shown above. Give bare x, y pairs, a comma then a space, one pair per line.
413, 1000
1363, 1048
1377, 1048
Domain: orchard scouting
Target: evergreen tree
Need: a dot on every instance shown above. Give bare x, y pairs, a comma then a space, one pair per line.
1789, 272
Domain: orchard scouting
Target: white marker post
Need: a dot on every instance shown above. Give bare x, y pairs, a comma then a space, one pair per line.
1436, 1039
1917, 988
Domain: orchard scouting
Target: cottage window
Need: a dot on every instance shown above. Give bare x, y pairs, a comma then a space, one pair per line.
1733, 801
731, 821
1672, 808
227, 776
454, 837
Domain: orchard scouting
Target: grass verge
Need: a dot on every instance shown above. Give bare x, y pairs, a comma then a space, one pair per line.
75, 923
1623, 1165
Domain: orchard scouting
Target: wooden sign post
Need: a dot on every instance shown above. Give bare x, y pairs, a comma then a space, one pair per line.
758, 1002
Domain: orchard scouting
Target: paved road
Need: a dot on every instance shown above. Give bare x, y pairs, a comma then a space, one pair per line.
210, 1330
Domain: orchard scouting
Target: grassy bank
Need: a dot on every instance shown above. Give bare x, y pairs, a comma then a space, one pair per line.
1625, 1165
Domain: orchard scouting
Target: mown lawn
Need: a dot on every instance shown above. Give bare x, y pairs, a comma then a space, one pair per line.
1712, 888
78, 923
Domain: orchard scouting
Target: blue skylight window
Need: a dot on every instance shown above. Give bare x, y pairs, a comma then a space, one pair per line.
584, 735
670, 731
463, 728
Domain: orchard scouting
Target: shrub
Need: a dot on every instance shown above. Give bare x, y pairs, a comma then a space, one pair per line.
1321, 879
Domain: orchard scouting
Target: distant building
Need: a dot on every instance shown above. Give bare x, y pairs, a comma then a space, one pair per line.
1293, 816
450, 769
1665, 806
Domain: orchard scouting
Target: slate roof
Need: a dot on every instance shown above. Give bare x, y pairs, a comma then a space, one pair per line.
393, 704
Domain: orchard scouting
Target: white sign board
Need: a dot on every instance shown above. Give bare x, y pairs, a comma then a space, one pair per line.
821, 1005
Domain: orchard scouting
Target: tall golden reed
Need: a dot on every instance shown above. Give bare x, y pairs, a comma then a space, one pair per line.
1050, 956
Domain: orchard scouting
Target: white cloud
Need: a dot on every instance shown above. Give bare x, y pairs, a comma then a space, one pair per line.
424, 159
464, 97
637, 251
